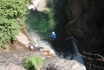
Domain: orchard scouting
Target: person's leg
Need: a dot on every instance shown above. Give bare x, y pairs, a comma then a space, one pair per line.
34, 48
38, 49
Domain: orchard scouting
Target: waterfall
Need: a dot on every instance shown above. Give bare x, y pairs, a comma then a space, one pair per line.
77, 57
38, 25
39, 40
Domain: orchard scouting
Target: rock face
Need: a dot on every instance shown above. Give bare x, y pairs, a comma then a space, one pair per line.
87, 26
22, 39
5, 64
55, 63
14, 60
40, 5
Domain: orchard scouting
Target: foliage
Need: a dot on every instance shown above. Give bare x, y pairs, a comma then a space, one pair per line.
33, 62
49, 10
9, 11
8, 30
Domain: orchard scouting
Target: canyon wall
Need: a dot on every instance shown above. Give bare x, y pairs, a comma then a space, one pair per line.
86, 25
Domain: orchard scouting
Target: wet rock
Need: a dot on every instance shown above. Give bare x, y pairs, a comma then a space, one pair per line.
22, 39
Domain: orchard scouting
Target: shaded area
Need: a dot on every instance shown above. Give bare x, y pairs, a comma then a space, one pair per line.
38, 22
87, 26
63, 43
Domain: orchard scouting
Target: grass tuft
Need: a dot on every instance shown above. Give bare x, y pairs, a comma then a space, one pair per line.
33, 62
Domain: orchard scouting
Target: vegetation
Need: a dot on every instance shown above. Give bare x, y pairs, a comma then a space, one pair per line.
9, 11
33, 62
42, 22
50, 12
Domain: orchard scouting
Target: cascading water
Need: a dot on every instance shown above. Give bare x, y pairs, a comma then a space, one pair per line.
38, 40
38, 28
77, 57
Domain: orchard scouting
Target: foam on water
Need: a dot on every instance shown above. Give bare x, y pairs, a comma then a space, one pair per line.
38, 40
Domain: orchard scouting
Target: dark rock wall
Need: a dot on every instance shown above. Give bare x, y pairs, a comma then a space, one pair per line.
86, 24
63, 43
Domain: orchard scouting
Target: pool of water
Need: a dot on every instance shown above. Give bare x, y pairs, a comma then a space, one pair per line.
38, 25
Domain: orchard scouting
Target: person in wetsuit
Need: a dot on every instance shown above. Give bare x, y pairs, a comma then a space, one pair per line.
53, 35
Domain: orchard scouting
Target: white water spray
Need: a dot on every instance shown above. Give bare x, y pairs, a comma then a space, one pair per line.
77, 57
38, 40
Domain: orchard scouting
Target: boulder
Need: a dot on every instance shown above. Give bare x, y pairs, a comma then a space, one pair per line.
40, 5
6, 64
56, 63
22, 38
48, 52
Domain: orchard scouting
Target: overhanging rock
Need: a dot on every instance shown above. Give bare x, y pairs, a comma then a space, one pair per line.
55, 63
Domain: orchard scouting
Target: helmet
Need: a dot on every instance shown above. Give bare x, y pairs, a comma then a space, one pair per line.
53, 32
36, 45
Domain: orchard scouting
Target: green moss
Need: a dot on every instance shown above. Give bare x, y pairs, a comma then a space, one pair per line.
50, 12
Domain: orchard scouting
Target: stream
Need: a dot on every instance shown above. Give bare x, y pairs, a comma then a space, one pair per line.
38, 26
